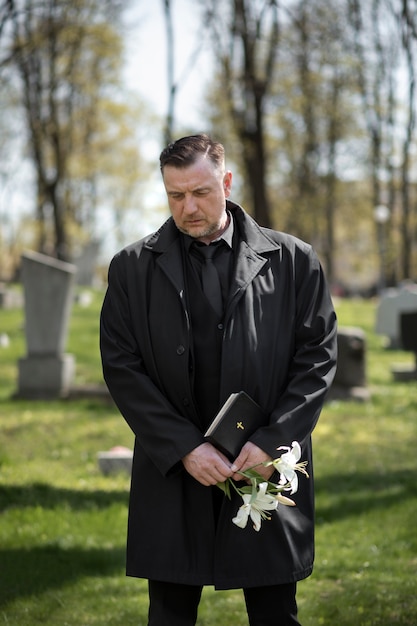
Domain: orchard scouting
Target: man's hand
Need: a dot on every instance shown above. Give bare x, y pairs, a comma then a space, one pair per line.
207, 465
249, 456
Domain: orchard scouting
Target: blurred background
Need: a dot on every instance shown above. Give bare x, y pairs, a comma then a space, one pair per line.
314, 101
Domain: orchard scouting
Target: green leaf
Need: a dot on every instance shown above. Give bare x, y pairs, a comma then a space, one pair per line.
225, 487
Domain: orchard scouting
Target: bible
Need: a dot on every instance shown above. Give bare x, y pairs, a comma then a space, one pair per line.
236, 421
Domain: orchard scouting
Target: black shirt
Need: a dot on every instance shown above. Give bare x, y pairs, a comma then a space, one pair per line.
223, 257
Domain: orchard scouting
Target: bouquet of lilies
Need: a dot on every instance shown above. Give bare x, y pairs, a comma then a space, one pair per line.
261, 496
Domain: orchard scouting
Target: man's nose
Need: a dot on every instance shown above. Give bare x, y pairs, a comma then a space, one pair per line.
189, 204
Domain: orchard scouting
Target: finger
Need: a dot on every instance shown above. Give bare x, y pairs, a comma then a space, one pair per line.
239, 462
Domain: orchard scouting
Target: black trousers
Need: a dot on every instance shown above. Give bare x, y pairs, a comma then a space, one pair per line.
171, 604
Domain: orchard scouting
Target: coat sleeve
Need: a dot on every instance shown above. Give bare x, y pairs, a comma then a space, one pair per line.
313, 363
165, 435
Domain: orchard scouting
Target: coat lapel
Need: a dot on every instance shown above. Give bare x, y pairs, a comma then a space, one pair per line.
252, 254
166, 244
171, 264
248, 264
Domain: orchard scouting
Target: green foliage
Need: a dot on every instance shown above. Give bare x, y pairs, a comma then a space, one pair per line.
63, 524
80, 119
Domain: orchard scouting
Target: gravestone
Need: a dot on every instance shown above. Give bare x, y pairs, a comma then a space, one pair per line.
350, 378
9, 298
47, 371
393, 302
86, 263
408, 329
117, 459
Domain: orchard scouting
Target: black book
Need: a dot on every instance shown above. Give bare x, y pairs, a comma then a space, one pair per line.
236, 421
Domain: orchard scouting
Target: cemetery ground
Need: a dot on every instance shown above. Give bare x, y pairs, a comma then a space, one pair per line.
63, 525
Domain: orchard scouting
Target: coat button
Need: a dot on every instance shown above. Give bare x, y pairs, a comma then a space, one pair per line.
185, 401
180, 350
220, 326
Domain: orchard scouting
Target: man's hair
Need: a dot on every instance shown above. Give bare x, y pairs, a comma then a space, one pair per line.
187, 150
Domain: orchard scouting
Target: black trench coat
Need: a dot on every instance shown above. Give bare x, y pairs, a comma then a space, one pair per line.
279, 345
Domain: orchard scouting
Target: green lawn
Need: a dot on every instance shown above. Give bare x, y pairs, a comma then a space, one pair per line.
63, 525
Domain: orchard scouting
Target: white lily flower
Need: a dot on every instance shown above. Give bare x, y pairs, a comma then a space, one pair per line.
256, 508
264, 496
287, 465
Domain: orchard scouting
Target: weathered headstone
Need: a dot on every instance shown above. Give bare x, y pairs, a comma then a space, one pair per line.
86, 263
9, 298
350, 379
393, 302
47, 371
408, 330
117, 459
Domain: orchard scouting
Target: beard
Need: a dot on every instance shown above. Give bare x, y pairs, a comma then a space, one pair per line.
206, 231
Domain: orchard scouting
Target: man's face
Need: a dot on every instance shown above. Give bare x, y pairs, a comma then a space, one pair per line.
197, 198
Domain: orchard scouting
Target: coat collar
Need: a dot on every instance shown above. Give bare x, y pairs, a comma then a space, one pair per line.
254, 248
251, 255
250, 232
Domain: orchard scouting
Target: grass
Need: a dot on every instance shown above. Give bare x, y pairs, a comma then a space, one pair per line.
63, 524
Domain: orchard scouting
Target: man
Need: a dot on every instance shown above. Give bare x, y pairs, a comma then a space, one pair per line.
171, 357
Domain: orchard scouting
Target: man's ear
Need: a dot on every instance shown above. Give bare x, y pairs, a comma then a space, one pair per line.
227, 183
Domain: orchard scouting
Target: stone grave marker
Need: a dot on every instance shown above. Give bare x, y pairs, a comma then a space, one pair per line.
9, 298
350, 380
117, 459
408, 329
46, 371
393, 302
86, 263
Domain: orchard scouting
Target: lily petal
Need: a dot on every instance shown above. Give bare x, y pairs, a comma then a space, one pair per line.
256, 518
284, 500
242, 516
